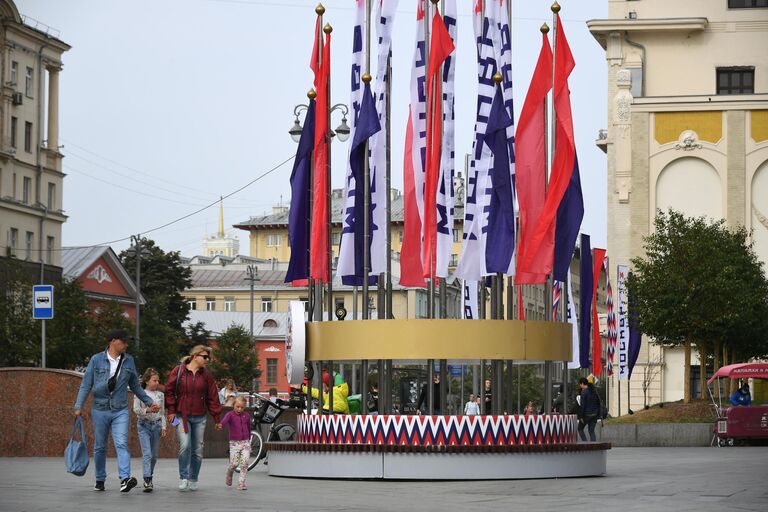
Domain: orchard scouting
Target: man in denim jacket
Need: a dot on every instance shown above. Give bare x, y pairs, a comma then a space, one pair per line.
109, 374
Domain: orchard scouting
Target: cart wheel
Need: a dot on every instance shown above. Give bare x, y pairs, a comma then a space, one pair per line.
721, 442
730, 441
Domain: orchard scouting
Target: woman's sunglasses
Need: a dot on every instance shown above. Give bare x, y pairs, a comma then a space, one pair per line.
204, 356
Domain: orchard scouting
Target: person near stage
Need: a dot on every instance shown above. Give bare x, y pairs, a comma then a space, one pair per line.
471, 408
488, 397
424, 400
340, 393
108, 376
190, 394
590, 409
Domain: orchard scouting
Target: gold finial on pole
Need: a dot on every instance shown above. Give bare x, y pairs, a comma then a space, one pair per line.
327, 28
320, 9
555, 7
544, 28
497, 78
311, 94
434, 2
366, 77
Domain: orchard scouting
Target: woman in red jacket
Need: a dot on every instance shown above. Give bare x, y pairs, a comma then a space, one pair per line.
190, 394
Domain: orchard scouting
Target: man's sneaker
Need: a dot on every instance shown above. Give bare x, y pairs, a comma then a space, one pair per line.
99, 485
184, 485
148, 486
128, 484
192, 485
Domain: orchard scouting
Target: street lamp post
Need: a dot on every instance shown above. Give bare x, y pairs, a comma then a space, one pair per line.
137, 251
253, 276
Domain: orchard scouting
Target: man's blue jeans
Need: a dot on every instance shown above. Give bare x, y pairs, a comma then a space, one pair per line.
149, 437
103, 422
190, 447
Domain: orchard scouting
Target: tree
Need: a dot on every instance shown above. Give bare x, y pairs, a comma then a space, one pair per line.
163, 277
196, 334
19, 333
68, 342
235, 357
700, 283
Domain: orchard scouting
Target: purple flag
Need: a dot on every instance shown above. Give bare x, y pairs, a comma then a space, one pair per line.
501, 219
569, 216
635, 336
585, 302
367, 124
298, 215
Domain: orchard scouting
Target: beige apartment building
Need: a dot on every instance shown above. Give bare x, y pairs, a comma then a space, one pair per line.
31, 180
687, 129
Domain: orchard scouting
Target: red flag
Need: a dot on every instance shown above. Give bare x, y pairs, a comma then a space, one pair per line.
520, 305
597, 346
542, 242
531, 164
318, 266
314, 60
411, 273
440, 47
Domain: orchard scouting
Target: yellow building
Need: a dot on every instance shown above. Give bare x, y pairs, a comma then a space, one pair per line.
31, 181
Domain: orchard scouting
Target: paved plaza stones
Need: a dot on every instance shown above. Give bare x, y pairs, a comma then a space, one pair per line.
679, 479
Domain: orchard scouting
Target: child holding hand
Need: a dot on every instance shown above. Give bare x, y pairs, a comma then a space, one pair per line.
239, 423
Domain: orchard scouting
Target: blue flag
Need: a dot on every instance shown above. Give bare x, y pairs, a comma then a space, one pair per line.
635, 336
367, 124
298, 215
585, 302
501, 219
569, 216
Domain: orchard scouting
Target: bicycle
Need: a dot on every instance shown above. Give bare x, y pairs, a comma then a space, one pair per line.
266, 413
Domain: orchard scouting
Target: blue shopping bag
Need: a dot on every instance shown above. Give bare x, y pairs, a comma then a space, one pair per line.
76, 452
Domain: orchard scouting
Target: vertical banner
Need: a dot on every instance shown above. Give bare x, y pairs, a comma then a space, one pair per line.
610, 320
585, 300
469, 311
597, 342
571, 318
622, 340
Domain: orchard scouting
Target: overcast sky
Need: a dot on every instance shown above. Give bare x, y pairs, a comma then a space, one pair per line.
166, 105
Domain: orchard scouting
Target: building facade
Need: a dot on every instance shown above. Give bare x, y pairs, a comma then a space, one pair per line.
221, 243
31, 179
687, 129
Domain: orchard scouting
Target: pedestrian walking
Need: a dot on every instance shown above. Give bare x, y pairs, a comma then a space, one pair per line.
589, 410
239, 423
108, 376
150, 426
190, 395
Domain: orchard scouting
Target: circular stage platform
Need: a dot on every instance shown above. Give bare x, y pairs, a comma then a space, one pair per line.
437, 448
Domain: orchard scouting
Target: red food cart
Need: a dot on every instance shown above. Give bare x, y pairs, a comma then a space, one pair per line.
739, 424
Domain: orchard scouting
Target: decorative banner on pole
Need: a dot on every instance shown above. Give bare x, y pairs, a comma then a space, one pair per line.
597, 345
635, 336
575, 350
411, 272
319, 243
610, 320
295, 343
469, 311
585, 300
623, 324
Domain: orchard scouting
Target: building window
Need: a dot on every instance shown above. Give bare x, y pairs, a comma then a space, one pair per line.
13, 243
269, 322
49, 250
400, 235
335, 238
454, 260
210, 303
27, 136
26, 191
28, 82
192, 303
229, 303
273, 240
266, 304
51, 196
456, 235
14, 131
30, 238
271, 372
736, 80
747, 4
14, 73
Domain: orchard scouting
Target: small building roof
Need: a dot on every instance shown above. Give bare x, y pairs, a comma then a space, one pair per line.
219, 321
76, 260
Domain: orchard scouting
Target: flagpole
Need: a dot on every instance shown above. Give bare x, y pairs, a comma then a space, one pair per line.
387, 395
317, 306
330, 307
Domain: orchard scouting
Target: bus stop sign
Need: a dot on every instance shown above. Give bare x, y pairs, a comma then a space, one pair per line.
42, 302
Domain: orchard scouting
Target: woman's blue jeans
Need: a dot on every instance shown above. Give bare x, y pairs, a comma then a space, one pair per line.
149, 438
190, 447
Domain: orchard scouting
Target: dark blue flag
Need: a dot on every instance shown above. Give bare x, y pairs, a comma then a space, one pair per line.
569, 216
367, 124
501, 218
585, 302
298, 215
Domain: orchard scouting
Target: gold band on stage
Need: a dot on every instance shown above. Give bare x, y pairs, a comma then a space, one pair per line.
438, 339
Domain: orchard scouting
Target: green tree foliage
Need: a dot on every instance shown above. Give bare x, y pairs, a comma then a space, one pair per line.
235, 357
700, 283
19, 333
196, 334
68, 341
162, 279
